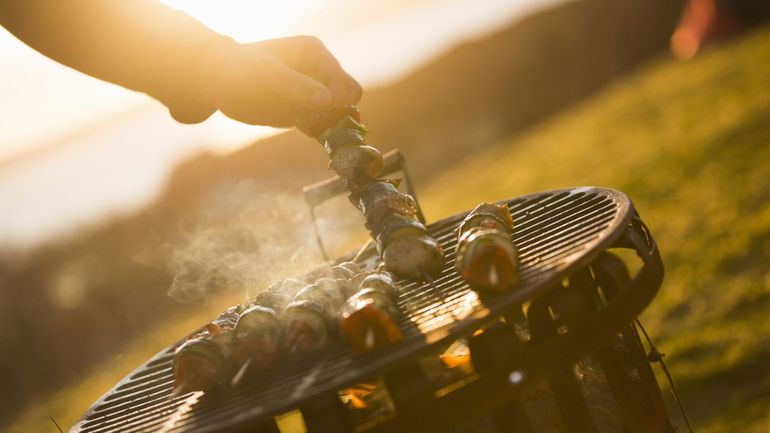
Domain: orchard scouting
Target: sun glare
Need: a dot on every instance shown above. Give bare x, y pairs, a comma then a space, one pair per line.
248, 20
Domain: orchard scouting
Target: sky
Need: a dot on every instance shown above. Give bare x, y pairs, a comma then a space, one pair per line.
75, 150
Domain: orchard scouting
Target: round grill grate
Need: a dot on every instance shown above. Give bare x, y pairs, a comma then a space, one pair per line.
555, 232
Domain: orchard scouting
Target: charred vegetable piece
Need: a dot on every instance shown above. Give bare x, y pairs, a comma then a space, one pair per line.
337, 272
345, 133
351, 266
413, 256
256, 338
225, 320
408, 250
486, 259
383, 283
397, 227
488, 215
198, 365
353, 161
368, 319
279, 294
305, 328
404, 242
310, 317
315, 124
380, 200
350, 156
328, 293
348, 121
273, 299
289, 286
358, 278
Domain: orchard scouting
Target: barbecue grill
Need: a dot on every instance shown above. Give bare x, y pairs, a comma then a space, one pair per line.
572, 312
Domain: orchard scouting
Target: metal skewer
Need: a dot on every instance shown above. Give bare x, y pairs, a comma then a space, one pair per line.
426, 276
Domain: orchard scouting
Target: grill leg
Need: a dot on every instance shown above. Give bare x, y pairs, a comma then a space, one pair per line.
326, 414
412, 395
566, 389
512, 418
498, 345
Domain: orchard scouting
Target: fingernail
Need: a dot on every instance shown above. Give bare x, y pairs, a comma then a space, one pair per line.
321, 99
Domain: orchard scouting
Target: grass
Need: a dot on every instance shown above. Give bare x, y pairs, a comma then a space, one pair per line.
690, 144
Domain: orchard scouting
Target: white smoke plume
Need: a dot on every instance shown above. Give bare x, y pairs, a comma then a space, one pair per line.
244, 238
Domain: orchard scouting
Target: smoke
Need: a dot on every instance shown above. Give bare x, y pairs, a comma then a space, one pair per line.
244, 237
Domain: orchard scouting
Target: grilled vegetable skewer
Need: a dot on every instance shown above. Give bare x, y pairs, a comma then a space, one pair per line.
405, 244
486, 257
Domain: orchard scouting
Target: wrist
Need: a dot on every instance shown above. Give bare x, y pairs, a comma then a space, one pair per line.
196, 93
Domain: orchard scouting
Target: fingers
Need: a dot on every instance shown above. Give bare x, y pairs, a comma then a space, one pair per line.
316, 61
302, 90
345, 90
270, 82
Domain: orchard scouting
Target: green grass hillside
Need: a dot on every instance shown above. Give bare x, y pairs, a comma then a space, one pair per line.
690, 144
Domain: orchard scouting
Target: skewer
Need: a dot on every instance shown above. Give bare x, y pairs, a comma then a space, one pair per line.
426, 276
318, 235
369, 339
362, 250
241, 372
179, 390
297, 343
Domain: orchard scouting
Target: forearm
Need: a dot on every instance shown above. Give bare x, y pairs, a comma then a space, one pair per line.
139, 44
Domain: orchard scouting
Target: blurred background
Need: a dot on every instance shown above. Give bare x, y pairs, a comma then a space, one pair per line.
122, 230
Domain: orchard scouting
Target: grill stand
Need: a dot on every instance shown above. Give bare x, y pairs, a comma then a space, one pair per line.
592, 314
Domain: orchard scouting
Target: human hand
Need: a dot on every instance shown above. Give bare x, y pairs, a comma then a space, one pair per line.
271, 82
